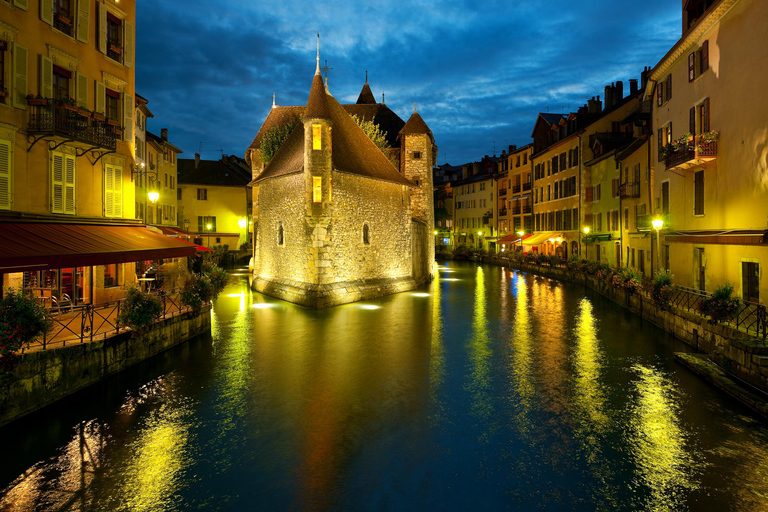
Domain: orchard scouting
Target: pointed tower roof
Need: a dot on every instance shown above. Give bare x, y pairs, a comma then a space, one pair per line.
416, 125
366, 95
317, 105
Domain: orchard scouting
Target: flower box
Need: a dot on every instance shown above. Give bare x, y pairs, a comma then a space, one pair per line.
3, 94
113, 122
115, 49
84, 112
98, 117
68, 106
66, 20
37, 101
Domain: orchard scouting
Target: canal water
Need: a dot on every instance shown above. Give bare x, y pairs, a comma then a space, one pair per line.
487, 390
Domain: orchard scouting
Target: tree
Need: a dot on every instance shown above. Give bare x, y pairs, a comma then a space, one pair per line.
274, 138
379, 137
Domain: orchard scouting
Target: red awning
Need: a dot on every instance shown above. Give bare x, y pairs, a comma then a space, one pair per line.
197, 246
172, 231
38, 246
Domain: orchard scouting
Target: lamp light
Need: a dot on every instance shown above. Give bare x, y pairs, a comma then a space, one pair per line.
657, 224
586, 230
558, 239
153, 196
242, 223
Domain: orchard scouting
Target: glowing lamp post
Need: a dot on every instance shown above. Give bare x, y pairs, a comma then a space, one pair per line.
586, 232
208, 227
186, 227
657, 225
153, 196
479, 242
521, 233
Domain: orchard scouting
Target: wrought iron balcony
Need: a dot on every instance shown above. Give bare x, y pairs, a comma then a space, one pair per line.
526, 186
692, 153
502, 192
526, 208
630, 189
515, 189
516, 210
71, 123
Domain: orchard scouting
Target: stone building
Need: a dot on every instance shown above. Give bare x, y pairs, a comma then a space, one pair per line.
335, 221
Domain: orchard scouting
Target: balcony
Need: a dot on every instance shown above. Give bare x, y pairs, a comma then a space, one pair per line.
502, 192
689, 154
69, 122
629, 190
502, 212
526, 186
526, 208
516, 189
516, 210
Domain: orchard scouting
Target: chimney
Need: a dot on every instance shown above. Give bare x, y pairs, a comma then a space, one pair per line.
632, 86
619, 92
594, 105
608, 95
197, 160
164, 134
225, 159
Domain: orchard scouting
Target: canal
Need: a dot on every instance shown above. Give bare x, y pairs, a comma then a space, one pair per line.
488, 390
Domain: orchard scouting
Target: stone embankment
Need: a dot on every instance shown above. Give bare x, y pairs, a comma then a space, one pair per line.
44, 376
732, 354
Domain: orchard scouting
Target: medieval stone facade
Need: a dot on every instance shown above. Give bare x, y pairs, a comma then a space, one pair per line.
334, 220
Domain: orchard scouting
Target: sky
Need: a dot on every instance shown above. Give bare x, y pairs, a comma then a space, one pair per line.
478, 72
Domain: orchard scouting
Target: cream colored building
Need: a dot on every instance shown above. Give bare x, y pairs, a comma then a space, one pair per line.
474, 208
711, 187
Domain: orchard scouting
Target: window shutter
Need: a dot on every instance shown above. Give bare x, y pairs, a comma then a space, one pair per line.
704, 56
20, 76
660, 142
21, 4
109, 186
102, 11
128, 117
57, 183
99, 102
705, 116
659, 94
588, 194
691, 66
698, 187
69, 184
83, 20
46, 12
6, 153
46, 77
128, 44
669, 86
82, 90
692, 121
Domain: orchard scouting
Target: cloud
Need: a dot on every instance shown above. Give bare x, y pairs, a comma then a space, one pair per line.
478, 73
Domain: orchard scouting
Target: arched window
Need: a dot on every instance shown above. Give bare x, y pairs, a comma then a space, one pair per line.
366, 234
280, 234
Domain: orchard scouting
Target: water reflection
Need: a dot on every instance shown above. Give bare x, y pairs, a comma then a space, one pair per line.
479, 354
522, 364
665, 467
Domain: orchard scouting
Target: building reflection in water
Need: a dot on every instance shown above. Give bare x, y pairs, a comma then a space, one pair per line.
479, 356
665, 468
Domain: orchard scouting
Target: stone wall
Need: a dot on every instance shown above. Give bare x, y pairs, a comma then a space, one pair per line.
45, 376
422, 243
736, 351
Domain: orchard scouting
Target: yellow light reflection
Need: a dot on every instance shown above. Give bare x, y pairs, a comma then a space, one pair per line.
437, 356
522, 358
480, 352
419, 295
658, 443
589, 396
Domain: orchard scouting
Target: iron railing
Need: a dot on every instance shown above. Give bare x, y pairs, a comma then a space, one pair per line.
70, 122
629, 189
86, 322
692, 150
526, 186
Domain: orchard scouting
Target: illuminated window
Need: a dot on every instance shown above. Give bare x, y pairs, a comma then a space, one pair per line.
317, 189
316, 137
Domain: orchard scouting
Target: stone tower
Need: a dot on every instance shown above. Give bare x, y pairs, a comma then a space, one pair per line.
318, 162
417, 157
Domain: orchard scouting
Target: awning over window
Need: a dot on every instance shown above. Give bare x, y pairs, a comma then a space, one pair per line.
540, 238
602, 237
732, 237
38, 246
512, 238
172, 231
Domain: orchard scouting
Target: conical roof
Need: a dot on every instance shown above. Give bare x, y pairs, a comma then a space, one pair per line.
416, 125
317, 105
366, 96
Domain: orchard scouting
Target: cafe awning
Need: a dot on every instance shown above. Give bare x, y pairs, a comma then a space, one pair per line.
40, 246
540, 238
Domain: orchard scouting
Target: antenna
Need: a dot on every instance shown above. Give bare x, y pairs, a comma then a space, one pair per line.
200, 148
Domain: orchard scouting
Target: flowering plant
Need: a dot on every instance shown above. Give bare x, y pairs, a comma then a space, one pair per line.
662, 289
720, 306
22, 319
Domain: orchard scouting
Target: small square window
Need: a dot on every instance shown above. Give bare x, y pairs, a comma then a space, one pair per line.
417, 155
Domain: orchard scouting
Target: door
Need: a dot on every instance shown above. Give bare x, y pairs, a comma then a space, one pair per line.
750, 279
618, 254
699, 274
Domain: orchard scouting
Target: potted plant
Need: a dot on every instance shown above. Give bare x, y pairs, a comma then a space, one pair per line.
139, 309
115, 47
3, 92
22, 319
662, 289
720, 306
68, 104
83, 111
196, 292
64, 18
36, 100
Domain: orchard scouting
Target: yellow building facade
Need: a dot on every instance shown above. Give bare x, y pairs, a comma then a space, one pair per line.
709, 148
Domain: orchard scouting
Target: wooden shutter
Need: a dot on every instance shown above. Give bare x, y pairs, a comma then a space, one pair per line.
102, 11
57, 183
83, 20
704, 64
82, 90
659, 94
692, 121
99, 102
109, 187
588, 192
21, 4
665, 198
691, 66
660, 141
46, 12
46, 77
705, 116
698, 187
69, 184
669, 86
20, 76
128, 117
6, 155
128, 44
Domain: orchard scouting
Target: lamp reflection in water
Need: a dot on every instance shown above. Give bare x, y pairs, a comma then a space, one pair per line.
480, 352
522, 357
664, 465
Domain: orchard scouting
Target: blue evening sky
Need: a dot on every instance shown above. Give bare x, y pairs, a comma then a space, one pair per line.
478, 72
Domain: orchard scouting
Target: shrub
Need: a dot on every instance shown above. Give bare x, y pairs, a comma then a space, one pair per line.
196, 292
554, 261
139, 309
720, 307
218, 278
542, 259
22, 319
629, 279
662, 289
573, 262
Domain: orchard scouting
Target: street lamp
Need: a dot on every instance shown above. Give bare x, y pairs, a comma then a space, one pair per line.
586, 232
186, 227
521, 233
657, 225
479, 242
209, 227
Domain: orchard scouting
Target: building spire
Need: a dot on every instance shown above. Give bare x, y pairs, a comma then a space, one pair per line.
366, 76
317, 70
414, 107
273, 100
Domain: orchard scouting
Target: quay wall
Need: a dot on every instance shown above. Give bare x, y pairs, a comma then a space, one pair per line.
42, 377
